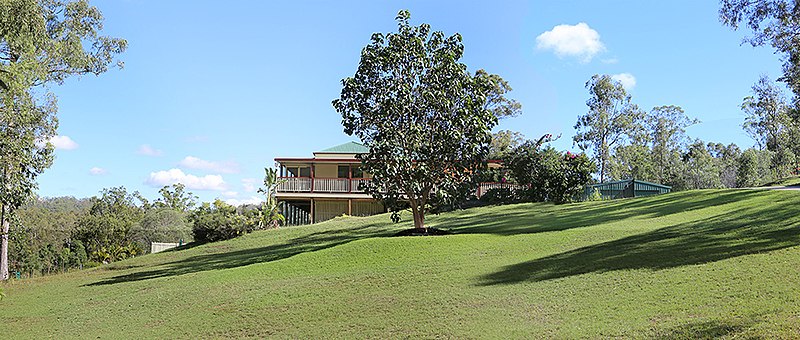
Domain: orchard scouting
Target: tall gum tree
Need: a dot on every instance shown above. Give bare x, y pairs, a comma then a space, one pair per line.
41, 43
611, 119
424, 117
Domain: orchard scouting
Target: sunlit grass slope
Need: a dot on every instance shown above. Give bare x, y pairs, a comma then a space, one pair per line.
715, 263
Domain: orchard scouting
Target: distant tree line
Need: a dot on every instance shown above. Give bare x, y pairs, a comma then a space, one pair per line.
626, 142
58, 234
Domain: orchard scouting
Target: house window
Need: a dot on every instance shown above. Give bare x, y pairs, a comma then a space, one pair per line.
298, 171
357, 172
344, 171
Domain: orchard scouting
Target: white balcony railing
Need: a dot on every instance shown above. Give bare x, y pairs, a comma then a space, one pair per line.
345, 185
295, 184
331, 185
356, 184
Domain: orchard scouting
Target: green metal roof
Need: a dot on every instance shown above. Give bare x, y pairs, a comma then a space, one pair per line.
351, 147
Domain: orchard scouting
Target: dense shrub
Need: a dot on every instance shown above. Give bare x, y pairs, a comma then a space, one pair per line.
219, 221
499, 196
548, 174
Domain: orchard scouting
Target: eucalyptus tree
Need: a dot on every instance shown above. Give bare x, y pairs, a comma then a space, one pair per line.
773, 22
611, 120
766, 114
41, 43
666, 127
424, 117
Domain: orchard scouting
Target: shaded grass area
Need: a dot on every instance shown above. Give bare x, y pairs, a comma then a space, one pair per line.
696, 264
708, 238
310, 242
792, 181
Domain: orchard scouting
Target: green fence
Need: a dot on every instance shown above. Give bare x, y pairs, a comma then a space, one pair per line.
625, 188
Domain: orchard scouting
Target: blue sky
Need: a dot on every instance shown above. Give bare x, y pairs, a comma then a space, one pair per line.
212, 91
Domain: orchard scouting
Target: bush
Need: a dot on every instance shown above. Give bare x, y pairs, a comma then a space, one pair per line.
219, 221
499, 196
549, 175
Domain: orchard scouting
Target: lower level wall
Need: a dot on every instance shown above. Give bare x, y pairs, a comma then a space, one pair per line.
298, 212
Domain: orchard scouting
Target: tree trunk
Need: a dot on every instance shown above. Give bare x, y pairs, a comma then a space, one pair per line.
4, 244
419, 214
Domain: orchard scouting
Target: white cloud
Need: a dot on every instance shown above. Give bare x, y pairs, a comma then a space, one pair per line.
249, 184
579, 41
230, 194
147, 150
63, 143
191, 162
173, 176
237, 202
627, 80
98, 171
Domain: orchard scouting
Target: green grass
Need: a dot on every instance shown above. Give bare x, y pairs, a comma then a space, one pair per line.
712, 263
788, 182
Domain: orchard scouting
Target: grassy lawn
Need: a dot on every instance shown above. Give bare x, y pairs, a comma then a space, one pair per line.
710, 263
788, 181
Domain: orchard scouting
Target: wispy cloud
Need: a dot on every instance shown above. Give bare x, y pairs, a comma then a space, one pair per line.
249, 184
147, 150
173, 176
627, 80
253, 200
96, 171
63, 143
191, 162
579, 41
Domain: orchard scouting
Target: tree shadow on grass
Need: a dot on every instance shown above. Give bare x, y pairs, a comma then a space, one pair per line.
238, 258
713, 329
536, 218
751, 229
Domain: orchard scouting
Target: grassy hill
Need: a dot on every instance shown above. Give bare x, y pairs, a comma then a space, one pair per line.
684, 265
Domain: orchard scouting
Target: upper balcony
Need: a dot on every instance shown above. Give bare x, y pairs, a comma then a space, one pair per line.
321, 185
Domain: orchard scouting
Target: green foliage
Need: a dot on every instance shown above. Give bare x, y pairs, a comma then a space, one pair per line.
106, 230
773, 22
666, 129
595, 196
161, 225
176, 198
754, 168
43, 42
612, 118
503, 143
219, 221
500, 196
269, 215
547, 174
424, 117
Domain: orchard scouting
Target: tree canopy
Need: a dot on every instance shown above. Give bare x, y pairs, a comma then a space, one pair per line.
611, 118
425, 118
41, 42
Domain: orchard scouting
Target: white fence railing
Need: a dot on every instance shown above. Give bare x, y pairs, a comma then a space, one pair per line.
356, 184
331, 185
484, 187
295, 184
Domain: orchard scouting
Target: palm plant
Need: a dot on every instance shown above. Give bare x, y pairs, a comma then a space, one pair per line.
270, 214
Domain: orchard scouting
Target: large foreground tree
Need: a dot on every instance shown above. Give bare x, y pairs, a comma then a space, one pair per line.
424, 117
41, 42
